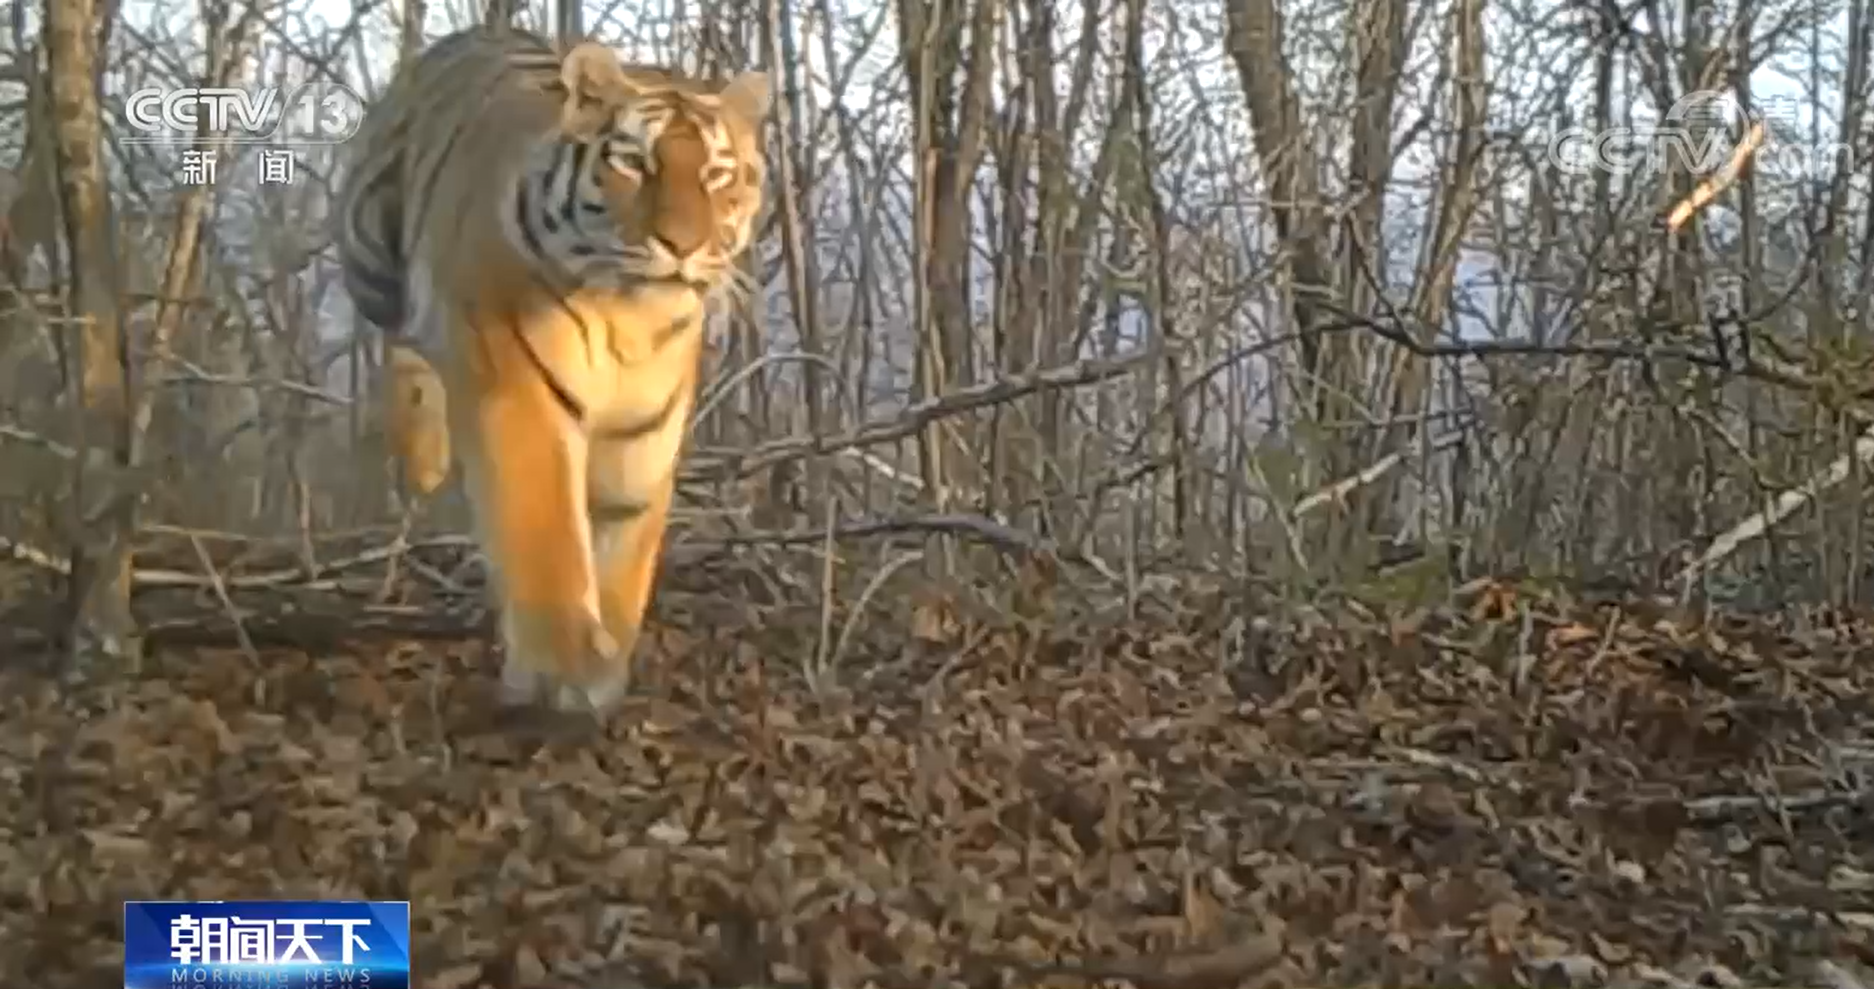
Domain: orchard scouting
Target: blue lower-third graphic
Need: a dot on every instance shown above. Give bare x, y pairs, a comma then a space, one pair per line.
267, 944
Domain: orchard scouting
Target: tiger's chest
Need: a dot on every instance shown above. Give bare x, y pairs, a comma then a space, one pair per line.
623, 355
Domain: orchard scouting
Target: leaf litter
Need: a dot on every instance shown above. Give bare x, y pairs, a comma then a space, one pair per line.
1520, 788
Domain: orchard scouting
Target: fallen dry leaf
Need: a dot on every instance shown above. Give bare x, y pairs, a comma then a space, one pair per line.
1368, 800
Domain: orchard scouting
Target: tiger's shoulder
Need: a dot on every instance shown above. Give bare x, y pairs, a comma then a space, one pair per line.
474, 77
511, 51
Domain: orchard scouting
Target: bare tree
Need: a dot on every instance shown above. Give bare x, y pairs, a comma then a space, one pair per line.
99, 586
951, 120
1019, 287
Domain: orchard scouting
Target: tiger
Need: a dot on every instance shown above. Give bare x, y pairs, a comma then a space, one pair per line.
547, 226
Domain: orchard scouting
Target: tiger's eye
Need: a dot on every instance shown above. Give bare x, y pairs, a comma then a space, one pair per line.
625, 160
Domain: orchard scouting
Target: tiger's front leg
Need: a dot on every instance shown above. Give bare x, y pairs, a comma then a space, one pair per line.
629, 542
524, 461
633, 472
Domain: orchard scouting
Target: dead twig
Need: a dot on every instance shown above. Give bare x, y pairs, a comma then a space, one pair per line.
714, 465
227, 603
30, 438
987, 530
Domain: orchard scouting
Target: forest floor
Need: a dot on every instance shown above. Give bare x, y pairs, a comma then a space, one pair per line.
1519, 788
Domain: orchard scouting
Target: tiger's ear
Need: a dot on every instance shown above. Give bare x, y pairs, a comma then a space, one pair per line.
750, 96
595, 84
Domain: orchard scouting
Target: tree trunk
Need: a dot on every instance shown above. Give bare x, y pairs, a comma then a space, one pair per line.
1457, 198
98, 602
569, 20
952, 130
1285, 150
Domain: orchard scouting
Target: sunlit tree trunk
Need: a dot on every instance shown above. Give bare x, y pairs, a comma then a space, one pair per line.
99, 514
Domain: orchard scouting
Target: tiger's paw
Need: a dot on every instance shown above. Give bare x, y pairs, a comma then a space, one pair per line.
595, 697
572, 664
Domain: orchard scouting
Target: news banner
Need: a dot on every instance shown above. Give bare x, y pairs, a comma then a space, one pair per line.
267, 944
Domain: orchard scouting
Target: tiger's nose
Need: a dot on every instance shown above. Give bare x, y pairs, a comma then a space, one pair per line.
680, 247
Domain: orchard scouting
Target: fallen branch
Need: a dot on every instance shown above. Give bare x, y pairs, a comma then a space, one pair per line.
1776, 511
29, 438
986, 530
983, 529
717, 465
295, 576
227, 603
1338, 491
33, 556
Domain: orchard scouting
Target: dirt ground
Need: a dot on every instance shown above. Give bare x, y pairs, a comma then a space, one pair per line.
1517, 789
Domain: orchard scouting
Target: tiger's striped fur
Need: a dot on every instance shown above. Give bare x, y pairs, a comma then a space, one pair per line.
548, 228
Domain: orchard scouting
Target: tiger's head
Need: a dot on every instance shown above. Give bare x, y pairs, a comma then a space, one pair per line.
668, 169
